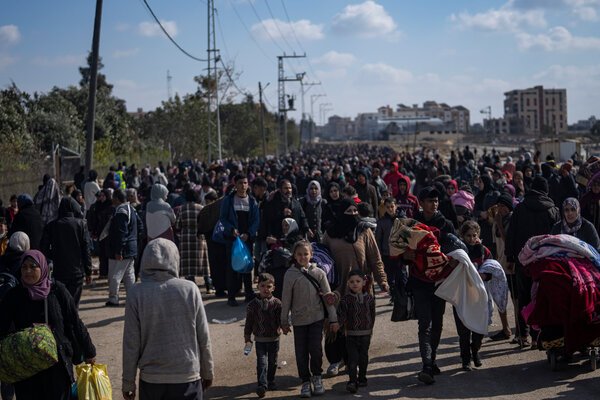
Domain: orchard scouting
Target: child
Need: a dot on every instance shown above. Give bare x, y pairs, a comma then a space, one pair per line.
263, 316
470, 342
357, 313
382, 237
305, 293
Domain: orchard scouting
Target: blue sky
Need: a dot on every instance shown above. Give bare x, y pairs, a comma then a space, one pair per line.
365, 53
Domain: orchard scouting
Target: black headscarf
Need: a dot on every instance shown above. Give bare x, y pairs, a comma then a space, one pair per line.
69, 207
345, 225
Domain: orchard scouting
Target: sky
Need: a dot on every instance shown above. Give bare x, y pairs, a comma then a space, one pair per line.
365, 54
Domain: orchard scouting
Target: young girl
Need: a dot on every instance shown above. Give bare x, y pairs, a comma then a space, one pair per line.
357, 313
305, 294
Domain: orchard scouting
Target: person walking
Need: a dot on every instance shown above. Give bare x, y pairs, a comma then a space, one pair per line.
174, 364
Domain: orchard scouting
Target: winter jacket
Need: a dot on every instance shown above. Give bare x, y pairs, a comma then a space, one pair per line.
437, 221
391, 179
228, 216
125, 226
535, 215
314, 217
29, 221
273, 215
408, 202
367, 193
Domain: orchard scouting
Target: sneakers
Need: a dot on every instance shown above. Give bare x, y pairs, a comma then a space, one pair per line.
352, 387
317, 383
305, 391
334, 369
466, 366
261, 391
477, 360
426, 376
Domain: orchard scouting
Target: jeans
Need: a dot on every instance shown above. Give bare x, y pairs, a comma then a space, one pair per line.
117, 271
358, 356
430, 315
266, 362
171, 391
470, 342
309, 351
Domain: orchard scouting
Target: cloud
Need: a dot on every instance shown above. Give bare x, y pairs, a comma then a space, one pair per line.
151, 29
571, 73
6, 60
557, 39
9, 35
125, 53
367, 19
336, 73
384, 74
122, 27
586, 13
335, 59
277, 29
502, 19
586, 10
60, 61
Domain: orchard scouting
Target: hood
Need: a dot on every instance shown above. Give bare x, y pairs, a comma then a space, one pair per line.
159, 192
24, 200
464, 199
160, 261
407, 180
537, 201
69, 207
394, 167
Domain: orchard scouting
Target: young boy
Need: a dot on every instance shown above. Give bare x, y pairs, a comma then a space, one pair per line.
382, 237
357, 313
263, 316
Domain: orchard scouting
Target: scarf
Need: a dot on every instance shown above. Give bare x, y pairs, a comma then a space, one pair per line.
41, 289
345, 225
571, 229
313, 200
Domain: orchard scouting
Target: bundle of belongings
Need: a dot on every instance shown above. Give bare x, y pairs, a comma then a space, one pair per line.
565, 302
461, 286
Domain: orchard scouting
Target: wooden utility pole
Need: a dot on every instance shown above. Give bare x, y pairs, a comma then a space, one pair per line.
91, 113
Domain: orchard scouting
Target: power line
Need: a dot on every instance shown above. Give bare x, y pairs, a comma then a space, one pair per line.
222, 35
248, 31
169, 36
277, 25
263, 26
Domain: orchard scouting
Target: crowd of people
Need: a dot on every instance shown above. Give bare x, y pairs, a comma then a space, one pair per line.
351, 205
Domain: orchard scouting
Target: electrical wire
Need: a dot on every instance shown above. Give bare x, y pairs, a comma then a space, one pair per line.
169, 36
263, 26
249, 33
277, 26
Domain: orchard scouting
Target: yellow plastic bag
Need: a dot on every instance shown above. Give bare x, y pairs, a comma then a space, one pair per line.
93, 382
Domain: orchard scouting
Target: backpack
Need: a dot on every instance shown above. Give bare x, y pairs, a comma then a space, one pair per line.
322, 257
7, 283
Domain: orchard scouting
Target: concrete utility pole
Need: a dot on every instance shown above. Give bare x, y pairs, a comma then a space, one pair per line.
304, 88
283, 107
213, 59
91, 113
169, 90
313, 99
262, 118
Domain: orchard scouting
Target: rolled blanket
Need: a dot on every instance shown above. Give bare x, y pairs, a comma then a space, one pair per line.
430, 263
497, 287
557, 246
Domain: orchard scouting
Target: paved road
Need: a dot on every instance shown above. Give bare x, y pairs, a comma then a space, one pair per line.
507, 373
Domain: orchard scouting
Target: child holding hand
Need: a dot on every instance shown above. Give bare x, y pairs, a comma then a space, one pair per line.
263, 316
356, 314
307, 296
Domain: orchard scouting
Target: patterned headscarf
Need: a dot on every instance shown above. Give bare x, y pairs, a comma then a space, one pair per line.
41, 289
567, 228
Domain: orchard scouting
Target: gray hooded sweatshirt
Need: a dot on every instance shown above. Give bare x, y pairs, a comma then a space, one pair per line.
166, 331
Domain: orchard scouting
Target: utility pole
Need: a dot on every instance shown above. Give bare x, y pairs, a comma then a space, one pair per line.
169, 91
91, 113
262, 118
283, 107
213, 59
303, 91
487, 111
313, 98
323, 108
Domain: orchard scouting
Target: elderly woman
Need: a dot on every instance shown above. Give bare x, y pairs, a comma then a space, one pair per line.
159, 215
24, 306
572, 223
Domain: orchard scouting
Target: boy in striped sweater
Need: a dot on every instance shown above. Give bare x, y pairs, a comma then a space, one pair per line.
356, 313
263, 320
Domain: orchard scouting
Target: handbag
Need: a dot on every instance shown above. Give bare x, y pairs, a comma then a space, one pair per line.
218, 234
27, 352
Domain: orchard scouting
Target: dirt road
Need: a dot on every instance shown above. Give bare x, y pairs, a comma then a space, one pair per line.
507, 373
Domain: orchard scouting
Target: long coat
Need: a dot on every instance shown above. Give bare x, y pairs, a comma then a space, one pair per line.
192, 250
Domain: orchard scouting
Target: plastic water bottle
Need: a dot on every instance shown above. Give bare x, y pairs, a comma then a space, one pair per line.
247, 348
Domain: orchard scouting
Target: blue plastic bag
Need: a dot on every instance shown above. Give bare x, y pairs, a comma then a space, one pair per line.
241, 259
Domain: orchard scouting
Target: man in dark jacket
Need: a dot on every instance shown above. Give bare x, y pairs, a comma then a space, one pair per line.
123, 241
534, 216
66, 242
283, 205
28, 220
207, 219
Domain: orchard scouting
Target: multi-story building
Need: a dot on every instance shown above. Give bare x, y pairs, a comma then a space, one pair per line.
536, 111
457, 117
340, 127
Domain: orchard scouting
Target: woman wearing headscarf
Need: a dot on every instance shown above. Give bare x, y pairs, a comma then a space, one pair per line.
572, 223
483, 201
519, 185
191, 262
24, 306
18, 243
333, 195
590, 202
313, 204
159, 215
353, 246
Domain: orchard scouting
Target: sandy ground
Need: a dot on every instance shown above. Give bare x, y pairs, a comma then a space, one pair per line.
508, 372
